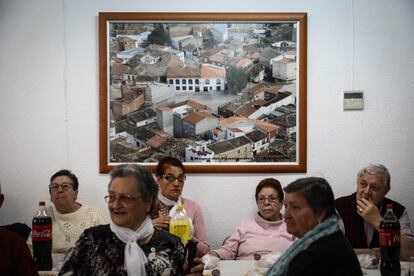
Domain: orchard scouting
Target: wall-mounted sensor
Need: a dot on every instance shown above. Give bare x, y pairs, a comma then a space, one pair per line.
353, 100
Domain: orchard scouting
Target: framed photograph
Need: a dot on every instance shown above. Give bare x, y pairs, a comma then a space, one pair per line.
222, 92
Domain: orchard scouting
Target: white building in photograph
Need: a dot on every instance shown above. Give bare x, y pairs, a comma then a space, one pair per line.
206, 78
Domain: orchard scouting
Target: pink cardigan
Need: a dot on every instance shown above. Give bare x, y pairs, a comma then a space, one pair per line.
255, 235
200, 234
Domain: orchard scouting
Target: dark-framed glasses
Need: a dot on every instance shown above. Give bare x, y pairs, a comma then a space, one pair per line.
172, 178
271, 200
123, 198
65, 186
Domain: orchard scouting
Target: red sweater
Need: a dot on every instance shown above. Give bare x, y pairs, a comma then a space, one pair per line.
15, 256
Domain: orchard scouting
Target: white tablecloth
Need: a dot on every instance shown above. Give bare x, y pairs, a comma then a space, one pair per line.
239, 268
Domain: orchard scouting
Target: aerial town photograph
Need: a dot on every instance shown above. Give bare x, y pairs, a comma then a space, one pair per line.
202, 92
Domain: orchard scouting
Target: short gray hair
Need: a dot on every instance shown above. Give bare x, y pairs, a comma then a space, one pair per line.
377, 169
145, 182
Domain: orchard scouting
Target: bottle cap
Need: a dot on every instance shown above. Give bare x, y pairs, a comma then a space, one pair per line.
389, 206
215, 272
42, 203
257, 256
180, 207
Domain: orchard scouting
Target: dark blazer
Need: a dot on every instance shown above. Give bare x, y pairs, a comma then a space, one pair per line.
329, 256
354, 223
19, 228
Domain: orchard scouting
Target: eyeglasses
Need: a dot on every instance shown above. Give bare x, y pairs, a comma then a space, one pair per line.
172, 178
125, 199
65, 186
271, 200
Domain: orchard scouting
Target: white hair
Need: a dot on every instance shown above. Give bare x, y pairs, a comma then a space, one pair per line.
377, 169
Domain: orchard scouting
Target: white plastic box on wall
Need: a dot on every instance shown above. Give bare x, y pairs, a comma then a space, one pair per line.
354, 100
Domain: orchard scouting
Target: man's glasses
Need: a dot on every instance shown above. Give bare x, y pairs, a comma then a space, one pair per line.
271, 200
123, 198
172, 178
65, 186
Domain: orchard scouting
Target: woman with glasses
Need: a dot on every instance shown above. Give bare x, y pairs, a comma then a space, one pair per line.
263, 233
69, 217
170, 173
129, 245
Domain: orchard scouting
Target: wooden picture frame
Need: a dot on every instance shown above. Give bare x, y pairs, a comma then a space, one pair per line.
223, 92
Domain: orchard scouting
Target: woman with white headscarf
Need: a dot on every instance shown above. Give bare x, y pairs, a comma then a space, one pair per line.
129, 245
170, 173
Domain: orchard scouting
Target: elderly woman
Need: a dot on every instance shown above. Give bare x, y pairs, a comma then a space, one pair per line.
321, 247
170, 173
69, 217
129, 244
262, 234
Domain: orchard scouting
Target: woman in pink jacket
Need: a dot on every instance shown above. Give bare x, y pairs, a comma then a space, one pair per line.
170, 173
262, 234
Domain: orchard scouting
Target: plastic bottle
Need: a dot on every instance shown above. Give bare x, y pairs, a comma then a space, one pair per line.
42, 239
390, 244
180, 225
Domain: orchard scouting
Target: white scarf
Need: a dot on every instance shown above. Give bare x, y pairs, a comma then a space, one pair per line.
169, 202
134, 257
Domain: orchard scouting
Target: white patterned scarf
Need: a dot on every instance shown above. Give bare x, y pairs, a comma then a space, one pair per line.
325, 228
174, 204
134, 257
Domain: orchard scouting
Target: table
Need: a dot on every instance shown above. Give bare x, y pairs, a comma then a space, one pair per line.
240, 268
57, 263
48, 273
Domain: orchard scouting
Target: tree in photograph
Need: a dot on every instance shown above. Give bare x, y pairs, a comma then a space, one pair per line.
159, 36
236, 79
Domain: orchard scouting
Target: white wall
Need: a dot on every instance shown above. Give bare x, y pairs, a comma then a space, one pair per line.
49, 100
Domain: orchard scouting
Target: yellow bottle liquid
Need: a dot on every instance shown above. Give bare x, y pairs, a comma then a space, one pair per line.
180, 225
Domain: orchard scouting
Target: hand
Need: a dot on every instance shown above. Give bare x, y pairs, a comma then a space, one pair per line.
162, 222
369, 212
197, 269
210, 260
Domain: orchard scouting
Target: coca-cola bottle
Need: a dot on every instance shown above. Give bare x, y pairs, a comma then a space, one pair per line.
390, 244
42, 239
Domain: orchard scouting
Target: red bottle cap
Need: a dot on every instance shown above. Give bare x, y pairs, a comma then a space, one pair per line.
389, 206
42, 203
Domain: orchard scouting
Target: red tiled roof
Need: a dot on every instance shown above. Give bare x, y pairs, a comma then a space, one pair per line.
211, 71
183, 72
217, 130
286, 60
119, 69
235, 129
197, 105
246, 110
194, 117
164, 108
244, 62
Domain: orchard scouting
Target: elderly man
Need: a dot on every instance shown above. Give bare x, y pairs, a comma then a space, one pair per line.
362, 212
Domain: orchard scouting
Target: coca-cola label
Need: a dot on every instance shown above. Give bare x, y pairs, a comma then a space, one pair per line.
42, 232
389, 237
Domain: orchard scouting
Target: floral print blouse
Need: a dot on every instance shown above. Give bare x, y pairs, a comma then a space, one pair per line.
99, 252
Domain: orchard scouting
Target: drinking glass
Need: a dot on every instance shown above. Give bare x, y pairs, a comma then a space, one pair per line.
411, 264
